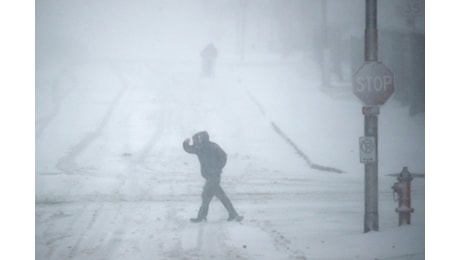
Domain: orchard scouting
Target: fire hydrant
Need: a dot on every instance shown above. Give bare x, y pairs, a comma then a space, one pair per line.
402, 188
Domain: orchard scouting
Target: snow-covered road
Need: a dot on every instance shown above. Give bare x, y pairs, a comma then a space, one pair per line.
112, 180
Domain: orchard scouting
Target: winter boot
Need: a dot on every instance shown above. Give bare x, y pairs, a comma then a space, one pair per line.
198, 220
235, 218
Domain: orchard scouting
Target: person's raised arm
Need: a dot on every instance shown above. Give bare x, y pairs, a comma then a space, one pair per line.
187, 147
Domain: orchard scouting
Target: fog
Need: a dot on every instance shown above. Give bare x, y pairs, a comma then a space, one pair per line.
177, 30
120, 85
330, 33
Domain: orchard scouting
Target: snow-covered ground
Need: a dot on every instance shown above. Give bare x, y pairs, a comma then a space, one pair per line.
113, 182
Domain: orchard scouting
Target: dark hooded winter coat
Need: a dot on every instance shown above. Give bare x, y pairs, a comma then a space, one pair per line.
212, 158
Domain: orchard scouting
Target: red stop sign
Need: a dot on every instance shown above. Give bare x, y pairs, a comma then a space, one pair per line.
373, 83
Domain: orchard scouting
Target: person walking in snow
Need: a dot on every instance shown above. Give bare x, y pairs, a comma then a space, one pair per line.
212, 160
208, 59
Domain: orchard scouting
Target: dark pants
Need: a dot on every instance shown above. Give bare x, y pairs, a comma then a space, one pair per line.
212, 188
207, 69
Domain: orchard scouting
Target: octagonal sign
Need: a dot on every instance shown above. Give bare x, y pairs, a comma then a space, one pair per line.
373, 83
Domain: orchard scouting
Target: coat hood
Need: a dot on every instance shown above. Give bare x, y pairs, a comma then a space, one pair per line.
200, 137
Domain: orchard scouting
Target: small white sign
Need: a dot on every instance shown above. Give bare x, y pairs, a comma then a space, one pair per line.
367, 151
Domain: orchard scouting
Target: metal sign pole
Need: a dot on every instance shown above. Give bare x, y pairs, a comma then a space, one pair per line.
370, 33
373, 84
371, 215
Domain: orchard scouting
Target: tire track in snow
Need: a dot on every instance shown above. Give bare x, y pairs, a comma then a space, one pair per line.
162, 116
76, 247
67, 163
48, 237
160, 119
171, 245
154, 159
280, 241
139, 160
42, 123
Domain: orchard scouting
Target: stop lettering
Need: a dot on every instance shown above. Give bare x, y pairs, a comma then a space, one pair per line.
377, 83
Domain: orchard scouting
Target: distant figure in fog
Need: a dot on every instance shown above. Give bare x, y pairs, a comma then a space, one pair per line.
208, 60
212, 160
